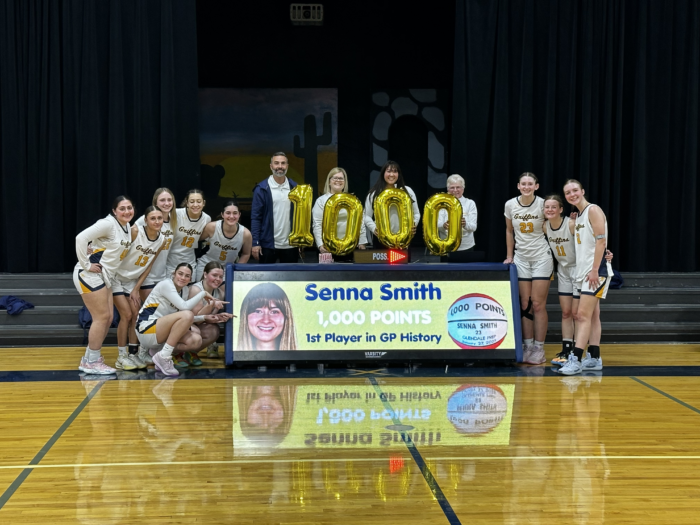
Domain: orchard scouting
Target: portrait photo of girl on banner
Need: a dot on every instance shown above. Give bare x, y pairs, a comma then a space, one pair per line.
266, 320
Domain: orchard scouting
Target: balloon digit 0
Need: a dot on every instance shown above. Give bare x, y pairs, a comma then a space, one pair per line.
301, 197
433, 205
331, 211
402, 201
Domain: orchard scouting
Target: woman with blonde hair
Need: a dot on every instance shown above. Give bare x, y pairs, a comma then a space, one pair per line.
561, 237
164, 200
336, 182
266, 320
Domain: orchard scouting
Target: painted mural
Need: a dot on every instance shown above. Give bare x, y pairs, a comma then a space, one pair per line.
241, 128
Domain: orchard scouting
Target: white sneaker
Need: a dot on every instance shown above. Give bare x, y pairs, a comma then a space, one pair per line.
591, 363
572, 366
165, 365
137, 361
145, 356
96, 367
527, 349
536, 356
125, 363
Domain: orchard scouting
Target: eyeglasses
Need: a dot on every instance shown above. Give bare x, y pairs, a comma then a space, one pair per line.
338, 179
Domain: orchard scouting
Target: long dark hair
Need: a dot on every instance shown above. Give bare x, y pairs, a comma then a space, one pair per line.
181, 265
183, 204
117, 200
120, 198
230, 202
380, 185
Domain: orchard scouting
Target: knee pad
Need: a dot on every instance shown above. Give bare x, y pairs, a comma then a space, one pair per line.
527, 313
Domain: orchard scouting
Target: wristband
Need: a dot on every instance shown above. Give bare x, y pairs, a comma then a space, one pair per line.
199, 318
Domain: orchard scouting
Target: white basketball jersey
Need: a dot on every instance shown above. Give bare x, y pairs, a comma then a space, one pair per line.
157, 273
530, 241
186, 238
221, 248
585, 246
165, 300
562, 243
140, 255
108, 251
216, 294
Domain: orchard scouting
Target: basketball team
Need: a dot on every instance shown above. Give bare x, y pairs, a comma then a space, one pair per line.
170, 302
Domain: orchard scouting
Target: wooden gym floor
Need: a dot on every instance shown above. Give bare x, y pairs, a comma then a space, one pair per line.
491, 445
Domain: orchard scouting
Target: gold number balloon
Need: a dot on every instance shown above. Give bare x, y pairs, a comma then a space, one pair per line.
402, 201
433, 205
331, 211
301, 235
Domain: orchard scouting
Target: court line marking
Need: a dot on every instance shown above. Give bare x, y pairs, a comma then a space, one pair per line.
683, 403
9, 492
338, 460
427, 475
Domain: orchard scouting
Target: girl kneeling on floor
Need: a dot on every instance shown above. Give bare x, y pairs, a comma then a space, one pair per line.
166, 318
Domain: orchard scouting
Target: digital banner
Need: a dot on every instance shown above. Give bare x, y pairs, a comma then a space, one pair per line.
269, 418
314, 313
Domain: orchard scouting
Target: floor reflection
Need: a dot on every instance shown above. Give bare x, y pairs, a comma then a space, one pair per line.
269, 419
519, 450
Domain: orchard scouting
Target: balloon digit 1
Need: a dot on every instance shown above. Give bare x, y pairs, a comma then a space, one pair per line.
331, 211
301, 197
402, 201
452, 206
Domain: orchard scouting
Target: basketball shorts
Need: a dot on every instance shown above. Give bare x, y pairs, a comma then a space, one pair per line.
87, 282
146, 333
600, 290
534, 270
565, 281
122, 286
154, 277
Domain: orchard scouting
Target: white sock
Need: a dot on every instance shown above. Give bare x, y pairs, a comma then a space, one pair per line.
527, 341
568, 340
539, 343
92, 355
123, 351
167, 350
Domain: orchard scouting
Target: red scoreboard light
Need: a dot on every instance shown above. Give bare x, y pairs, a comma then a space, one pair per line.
386, 256
398, 257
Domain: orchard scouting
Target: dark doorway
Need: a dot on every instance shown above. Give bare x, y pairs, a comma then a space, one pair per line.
408, 145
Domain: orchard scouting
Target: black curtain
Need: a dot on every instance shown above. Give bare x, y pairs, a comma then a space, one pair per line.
603, 91
97, 98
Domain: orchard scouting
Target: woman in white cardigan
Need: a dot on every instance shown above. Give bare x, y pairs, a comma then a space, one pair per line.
455, 186
336, 182
390, 177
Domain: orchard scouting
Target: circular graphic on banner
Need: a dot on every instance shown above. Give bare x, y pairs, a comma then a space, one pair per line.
477, 322
476, 409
